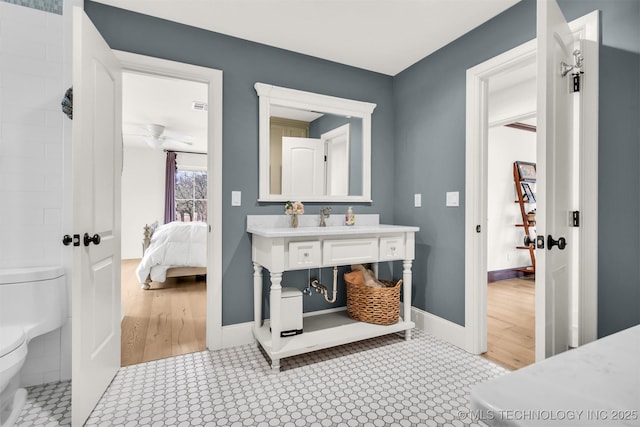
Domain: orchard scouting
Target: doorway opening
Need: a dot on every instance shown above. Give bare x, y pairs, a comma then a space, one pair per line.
584, 298
511, 141
164, 217
511, 235
198, 138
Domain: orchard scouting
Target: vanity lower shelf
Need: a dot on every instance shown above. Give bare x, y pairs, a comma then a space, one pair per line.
324, 331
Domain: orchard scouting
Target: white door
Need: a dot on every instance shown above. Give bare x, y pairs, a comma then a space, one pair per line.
555, 180
302, 166
337, 143
97, 163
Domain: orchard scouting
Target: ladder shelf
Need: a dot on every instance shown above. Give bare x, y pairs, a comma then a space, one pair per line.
525, 201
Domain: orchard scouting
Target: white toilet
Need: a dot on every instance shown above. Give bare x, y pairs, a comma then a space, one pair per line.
33, 301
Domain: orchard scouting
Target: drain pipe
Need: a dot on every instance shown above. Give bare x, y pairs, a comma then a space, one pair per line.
322, 289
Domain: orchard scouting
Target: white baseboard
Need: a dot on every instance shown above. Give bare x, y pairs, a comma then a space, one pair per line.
439, 327
237, 334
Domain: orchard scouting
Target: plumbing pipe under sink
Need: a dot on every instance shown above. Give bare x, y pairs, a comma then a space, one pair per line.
322, 289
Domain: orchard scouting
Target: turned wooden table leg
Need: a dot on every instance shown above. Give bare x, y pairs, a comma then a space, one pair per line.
406, 290
257, 296
274, 313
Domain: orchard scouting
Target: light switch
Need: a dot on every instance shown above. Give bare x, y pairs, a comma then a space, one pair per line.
417, 200
453, 198
236, 198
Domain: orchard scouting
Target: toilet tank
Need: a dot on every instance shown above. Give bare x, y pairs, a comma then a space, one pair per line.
33, 298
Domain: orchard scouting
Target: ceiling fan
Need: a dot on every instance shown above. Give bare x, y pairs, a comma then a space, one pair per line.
155, 138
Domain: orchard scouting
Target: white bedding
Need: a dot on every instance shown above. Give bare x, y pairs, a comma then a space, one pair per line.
177, 244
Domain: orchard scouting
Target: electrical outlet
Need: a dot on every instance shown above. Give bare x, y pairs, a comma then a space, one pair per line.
453, 199
417, 200
236, 198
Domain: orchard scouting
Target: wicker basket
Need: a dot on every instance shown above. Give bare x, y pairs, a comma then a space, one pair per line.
380, 306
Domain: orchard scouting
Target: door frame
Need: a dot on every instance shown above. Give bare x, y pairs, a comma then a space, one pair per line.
213, 78
587, 28
328, 137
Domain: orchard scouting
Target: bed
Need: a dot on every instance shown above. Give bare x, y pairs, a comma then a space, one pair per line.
176, 249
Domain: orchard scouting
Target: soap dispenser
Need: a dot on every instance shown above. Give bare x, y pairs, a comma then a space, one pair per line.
349, 218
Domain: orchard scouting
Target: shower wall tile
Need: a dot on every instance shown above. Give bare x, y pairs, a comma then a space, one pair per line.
31, 87
26, 48
32, 84
52, 216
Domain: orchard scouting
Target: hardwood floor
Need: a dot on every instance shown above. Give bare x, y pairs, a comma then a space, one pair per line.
167, 320
511, 323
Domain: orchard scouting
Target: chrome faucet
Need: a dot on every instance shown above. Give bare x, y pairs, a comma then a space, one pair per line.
324, 213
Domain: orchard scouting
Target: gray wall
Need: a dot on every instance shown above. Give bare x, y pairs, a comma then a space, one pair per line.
429, 103
417, 144
243, 64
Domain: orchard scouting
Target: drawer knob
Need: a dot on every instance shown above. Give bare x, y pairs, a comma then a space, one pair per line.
393, 248
306, 254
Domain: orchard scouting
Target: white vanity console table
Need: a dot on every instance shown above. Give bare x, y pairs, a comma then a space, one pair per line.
279, 248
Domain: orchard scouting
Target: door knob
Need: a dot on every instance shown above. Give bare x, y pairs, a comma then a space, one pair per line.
528, 241
561, 243
88, 239
67, 240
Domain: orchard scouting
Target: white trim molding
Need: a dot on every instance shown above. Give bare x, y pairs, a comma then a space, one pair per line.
586, 28
237, 334
213, 79
439, 327
291, 98
476, 183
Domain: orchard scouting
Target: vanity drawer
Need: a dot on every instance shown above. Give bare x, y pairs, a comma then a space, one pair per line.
392, 247
304, 254
350, 251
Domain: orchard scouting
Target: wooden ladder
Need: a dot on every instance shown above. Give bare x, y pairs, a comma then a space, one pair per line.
526, 223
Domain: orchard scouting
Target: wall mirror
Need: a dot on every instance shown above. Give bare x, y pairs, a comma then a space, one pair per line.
313, 147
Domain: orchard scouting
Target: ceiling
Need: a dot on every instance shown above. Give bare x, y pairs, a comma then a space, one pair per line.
148, 99
385, 36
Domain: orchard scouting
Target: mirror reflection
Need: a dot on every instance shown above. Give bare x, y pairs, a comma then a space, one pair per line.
313, 147
314, 153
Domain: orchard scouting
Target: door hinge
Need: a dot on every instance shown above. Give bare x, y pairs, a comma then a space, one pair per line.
575, 219
576, 76
576, 79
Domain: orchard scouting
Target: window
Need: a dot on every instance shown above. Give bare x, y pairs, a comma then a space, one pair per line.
191, 195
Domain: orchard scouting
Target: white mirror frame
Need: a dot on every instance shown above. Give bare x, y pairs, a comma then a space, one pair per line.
274, 95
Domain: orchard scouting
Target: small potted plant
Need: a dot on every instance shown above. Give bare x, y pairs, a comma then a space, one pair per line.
293, 209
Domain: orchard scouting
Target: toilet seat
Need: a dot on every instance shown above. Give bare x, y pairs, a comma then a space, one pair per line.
11, 337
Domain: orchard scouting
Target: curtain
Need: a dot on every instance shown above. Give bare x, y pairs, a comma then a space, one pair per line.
170, 188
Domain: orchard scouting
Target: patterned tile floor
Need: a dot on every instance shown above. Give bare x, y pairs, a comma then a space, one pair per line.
384, 381
47, 405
